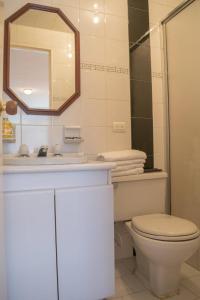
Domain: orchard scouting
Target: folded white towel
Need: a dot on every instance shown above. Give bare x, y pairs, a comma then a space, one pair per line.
127, 167
121, 155
130, 162
129, 172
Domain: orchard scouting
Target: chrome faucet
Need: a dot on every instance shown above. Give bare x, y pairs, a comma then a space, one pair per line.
43, 151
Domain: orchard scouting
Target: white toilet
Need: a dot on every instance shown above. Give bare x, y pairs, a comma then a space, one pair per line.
162, 242
166, 242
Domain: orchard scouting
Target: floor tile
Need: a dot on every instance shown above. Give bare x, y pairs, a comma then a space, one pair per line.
128, 284
187, 271
125, 267
192, 284
146, 295
131, 287
125, 280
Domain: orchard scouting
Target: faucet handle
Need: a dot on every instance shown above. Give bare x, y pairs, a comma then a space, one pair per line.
44, 147
43, 151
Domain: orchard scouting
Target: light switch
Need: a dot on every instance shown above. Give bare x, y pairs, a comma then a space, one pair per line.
119, 127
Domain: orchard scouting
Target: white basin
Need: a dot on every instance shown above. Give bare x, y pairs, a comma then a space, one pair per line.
51, 159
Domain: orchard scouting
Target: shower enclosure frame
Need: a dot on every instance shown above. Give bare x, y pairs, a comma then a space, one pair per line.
163, 24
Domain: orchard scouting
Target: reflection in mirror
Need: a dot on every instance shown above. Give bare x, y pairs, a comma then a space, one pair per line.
34, 86
42, 59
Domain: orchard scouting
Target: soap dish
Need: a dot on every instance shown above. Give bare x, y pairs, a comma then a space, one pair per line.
72, 135
73, 140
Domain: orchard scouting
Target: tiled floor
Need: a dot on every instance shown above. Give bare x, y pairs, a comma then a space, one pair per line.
129, 287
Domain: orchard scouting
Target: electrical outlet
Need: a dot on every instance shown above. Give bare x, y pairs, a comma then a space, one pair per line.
119, 127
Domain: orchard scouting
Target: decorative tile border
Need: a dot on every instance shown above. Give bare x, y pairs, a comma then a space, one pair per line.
157, 75
102, 68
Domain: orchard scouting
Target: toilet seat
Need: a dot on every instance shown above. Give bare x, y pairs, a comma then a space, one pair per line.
164, 227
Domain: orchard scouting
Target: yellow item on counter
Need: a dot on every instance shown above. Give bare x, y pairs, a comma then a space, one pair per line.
8, 131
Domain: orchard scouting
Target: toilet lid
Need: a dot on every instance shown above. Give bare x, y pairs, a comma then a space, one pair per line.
164, 225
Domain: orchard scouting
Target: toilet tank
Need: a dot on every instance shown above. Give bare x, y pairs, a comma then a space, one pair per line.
139, 194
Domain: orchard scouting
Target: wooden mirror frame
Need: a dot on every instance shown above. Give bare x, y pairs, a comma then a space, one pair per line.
6, 71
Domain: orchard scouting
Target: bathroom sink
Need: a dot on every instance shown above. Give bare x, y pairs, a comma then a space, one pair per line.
51, 159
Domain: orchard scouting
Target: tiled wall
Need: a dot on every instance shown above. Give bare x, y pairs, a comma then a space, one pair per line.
105, 88
140, 75
138, 19
141, 100
155, 87
158, 10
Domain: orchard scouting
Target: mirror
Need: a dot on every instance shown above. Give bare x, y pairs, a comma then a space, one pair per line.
41, 60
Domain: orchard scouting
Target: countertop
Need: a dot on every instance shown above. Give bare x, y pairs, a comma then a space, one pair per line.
89, 166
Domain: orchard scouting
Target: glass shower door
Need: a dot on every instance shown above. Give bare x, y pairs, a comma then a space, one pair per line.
182, 31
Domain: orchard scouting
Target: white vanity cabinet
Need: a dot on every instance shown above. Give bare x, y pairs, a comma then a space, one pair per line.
59, 232
85, 249
30, 245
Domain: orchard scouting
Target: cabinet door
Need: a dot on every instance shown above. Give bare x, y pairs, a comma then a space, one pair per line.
30, 246
85, 243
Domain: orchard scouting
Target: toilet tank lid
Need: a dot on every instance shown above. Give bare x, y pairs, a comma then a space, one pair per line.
164, 225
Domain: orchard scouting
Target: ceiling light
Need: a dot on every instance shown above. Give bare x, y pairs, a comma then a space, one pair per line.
69, 55
96, 19
95, 6
28, 91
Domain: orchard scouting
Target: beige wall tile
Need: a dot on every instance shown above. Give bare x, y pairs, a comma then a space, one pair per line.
71, 116
92, 49
118, 141
116, 28
93, 84
92, 111
116, 52
73, 3
118, 8
91, 23
94, 139
97, 5
157, 90
118, 111
117, 86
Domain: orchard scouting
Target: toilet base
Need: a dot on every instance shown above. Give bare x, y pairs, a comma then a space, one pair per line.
164, 281
160, 261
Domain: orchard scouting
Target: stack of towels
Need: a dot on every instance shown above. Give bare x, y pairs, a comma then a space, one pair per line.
128, 162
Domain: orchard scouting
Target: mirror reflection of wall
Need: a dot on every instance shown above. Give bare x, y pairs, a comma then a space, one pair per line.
52, 59
30, 76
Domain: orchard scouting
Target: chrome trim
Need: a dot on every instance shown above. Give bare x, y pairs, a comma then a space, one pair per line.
177, 10
142, 38
170, 16
163, 23
167, 107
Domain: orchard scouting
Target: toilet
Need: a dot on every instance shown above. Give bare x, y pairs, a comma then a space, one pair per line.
162, 242
165, 242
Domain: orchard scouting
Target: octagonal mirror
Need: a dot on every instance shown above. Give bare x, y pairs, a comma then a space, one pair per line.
41, 60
